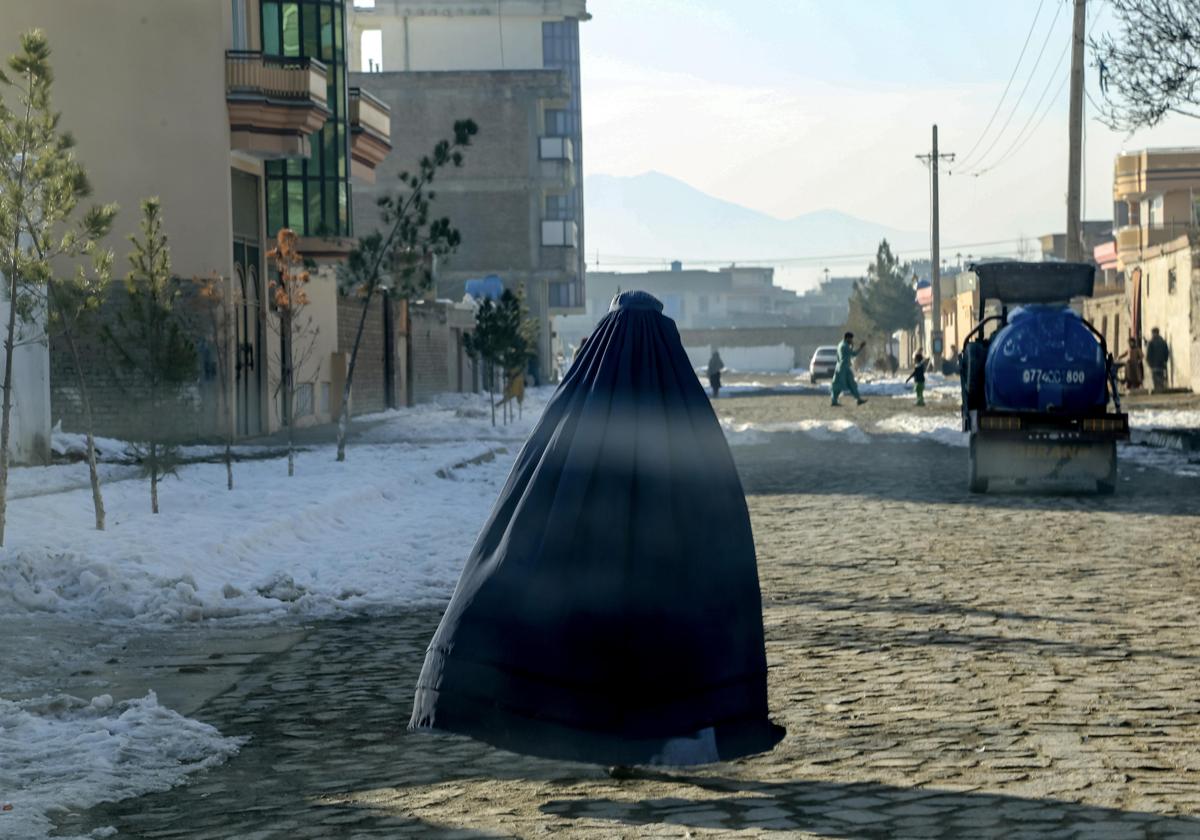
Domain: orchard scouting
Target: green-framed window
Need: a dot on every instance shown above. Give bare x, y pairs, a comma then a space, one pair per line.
312, 196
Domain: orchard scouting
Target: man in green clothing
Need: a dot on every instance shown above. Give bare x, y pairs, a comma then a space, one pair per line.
843, 374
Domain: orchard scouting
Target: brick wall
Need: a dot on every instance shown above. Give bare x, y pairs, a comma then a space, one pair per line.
121, 405
430, 343
370, 370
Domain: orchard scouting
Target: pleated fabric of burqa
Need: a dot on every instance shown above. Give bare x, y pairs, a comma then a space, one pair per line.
610, 611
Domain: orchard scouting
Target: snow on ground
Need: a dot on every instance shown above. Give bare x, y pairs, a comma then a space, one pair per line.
941, 428
61, 753
748, 434
391, 527
452, 417
334, 539
1164, 418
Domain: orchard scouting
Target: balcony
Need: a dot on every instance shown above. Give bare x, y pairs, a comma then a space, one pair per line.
1161, 171
370, 134
275, 103
556, 148
565, 297
559, 234
1132, 240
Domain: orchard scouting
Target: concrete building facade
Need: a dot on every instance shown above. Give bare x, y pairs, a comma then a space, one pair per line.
245, 124
497, 199
501, 40
1156, 195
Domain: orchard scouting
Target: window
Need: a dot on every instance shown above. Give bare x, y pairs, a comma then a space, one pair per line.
1152, 211
240, 41
1171, 281
304, 399
558, 123
311, 196
371, 47
561, 207
325, 398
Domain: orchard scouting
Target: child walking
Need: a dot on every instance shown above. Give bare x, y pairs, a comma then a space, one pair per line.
918, 376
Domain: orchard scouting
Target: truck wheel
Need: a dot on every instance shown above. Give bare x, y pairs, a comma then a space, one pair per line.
975, 483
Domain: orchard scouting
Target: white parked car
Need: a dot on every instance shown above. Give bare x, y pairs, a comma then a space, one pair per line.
824, 360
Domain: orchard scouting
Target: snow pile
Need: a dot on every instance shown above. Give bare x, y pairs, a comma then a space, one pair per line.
1170, 418
452, 417
62, 753
941, 428
337, 538
748, 434
72, 445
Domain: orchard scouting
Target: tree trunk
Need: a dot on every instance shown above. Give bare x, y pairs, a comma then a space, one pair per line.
93, 472
153, 478
344, 417
491, 375
11, 337
6, 422
228, 465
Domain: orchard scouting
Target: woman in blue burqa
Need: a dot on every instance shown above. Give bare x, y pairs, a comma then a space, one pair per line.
610, 611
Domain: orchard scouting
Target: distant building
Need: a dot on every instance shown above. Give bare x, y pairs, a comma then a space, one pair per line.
829, 303
513, 67
1156, 195
1054, 245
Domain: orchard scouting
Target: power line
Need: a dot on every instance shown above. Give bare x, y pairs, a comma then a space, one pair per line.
1041, 119
1019, 139
1024, 89
1011, 76
646, 260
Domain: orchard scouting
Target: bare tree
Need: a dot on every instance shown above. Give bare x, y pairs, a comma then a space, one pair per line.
1152, 67
400, 264
213, 308
293, 325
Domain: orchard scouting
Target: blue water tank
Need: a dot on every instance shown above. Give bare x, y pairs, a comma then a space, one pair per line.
490, 287
1045, 359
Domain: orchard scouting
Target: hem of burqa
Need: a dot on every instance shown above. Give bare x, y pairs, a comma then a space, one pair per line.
610, 610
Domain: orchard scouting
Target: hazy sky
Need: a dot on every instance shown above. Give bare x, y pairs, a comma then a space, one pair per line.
788, 106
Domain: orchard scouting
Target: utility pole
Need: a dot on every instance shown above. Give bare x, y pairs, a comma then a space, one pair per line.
1075, 157
935, 264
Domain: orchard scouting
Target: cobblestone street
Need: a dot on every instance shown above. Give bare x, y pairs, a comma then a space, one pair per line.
946, 666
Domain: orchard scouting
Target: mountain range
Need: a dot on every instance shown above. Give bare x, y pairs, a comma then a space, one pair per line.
653, 217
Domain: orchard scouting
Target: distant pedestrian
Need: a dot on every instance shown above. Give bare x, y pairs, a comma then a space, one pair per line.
917, 377
715, 366
893, 364
843, 373
1157, 354
950, 364
1134, 374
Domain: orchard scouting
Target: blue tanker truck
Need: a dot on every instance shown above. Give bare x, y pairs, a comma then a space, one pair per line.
1038, 381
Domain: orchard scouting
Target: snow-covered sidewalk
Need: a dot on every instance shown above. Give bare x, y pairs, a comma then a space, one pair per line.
387, 529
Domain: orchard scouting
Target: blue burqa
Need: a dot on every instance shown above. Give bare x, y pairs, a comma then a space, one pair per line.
610, 611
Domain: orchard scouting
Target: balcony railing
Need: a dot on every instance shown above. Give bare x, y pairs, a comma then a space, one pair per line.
370, 133
556, 148
275, 103
276, 77
557, 233
370, 113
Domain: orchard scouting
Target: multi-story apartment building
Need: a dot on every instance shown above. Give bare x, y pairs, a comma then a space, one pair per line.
512, 66
1156, 194
240, 117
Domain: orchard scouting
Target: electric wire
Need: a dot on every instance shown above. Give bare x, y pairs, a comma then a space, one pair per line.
1021, 136
1013, 75
1025, 88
